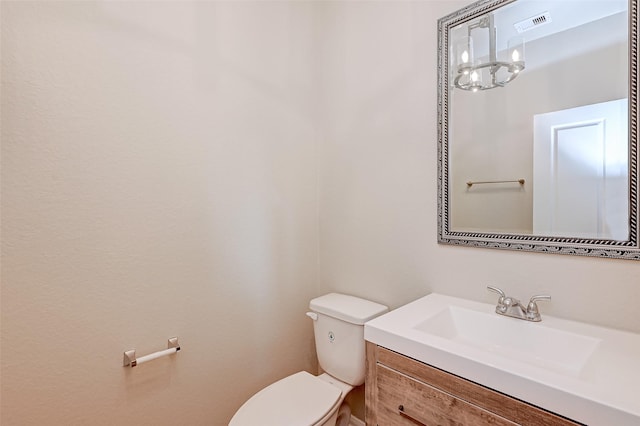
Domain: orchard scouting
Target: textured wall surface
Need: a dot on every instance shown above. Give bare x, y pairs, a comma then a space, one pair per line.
378, 191
160, 169
158, 180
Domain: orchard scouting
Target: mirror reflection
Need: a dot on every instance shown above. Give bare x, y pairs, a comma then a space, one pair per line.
538, 120
537, 127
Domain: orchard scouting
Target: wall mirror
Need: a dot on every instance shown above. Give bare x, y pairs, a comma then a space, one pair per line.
537, 127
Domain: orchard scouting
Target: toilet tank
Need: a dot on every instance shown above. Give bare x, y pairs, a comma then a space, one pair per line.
339, 334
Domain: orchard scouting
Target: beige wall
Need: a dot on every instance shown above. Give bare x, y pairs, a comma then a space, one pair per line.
378, 196
159, 178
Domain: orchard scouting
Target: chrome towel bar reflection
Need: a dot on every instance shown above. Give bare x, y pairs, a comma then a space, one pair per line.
130, 356
471, 183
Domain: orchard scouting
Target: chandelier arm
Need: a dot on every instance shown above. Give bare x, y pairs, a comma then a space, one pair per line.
494, 67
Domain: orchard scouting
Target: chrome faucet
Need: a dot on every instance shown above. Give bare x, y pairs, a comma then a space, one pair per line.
511, 307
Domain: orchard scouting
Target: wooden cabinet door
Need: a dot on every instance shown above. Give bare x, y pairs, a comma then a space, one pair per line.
403, 400
432, 396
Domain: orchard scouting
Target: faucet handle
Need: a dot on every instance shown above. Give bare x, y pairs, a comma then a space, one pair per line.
532, 308
501, 308
497, 290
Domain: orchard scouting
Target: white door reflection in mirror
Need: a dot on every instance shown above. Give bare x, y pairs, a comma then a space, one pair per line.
580, 172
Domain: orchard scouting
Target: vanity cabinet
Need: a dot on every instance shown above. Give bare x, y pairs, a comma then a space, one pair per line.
402, 391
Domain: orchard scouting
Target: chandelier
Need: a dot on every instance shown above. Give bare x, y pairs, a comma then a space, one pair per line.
487, 73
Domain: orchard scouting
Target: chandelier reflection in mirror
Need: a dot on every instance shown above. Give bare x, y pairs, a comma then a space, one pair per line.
487, 72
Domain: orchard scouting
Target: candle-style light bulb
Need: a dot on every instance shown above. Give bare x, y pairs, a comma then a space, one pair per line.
463, 54
516, 53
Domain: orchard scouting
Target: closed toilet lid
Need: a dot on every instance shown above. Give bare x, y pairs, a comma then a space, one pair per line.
298, 400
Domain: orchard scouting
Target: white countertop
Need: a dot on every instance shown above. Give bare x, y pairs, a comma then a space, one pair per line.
596, 379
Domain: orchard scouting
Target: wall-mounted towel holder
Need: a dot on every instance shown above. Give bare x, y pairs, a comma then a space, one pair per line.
471, 183
130, 356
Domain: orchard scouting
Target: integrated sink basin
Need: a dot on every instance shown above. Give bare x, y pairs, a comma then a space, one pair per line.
587, 373
533, 343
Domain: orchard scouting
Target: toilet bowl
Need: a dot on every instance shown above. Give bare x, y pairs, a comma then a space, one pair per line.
299, 399
303, 399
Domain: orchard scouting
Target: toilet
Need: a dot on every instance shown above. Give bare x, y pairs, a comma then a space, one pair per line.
303, 399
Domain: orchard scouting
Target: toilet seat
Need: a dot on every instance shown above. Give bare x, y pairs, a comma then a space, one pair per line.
301, 399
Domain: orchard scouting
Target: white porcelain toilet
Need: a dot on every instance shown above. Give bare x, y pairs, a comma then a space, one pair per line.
303, 399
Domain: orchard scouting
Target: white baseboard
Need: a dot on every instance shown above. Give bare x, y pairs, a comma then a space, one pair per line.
356, 422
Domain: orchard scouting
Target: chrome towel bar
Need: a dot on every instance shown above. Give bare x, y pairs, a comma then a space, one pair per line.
130, 356
471, 183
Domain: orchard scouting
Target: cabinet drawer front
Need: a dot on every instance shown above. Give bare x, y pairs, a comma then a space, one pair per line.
501, 405
425, 404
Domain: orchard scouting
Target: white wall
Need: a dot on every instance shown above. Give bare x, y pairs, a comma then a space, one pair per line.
158, 179
159, 170
378, 197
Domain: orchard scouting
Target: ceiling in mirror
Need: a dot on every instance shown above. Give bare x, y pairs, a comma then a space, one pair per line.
546, 161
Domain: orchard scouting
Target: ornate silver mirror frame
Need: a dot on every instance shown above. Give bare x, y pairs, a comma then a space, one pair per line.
609, 248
